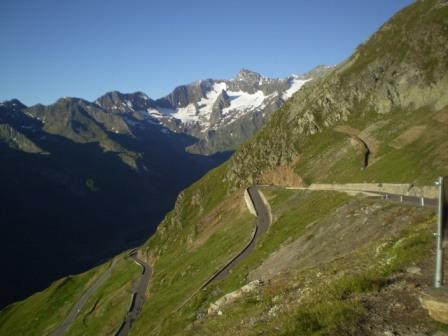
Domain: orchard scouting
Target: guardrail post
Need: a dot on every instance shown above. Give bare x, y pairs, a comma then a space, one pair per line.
438, 277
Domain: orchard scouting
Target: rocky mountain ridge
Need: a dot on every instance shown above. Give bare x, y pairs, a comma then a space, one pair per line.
219, 113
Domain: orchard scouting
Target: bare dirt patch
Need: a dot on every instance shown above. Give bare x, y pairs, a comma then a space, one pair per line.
396, 309
281, 176
442, 116
409, 136
350, 227
345, 129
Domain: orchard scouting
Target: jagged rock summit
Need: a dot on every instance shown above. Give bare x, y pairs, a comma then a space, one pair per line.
221, 114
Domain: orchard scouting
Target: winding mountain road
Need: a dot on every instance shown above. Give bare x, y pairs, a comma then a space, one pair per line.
82, 301
263, 222
138, 297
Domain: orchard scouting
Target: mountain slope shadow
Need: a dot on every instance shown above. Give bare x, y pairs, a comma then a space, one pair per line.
67, 211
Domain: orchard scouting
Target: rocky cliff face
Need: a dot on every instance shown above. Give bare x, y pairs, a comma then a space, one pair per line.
120, 102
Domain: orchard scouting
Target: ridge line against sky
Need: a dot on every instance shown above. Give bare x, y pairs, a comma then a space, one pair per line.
84, 48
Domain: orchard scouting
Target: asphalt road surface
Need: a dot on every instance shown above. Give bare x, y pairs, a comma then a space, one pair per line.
82, 301
410, 200
263, 222
138, 297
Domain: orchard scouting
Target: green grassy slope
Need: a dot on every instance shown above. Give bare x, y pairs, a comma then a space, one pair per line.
404, 154
362, 255
44, 311
383, 93
399, 76
103, 313
191, 254
326, 298
105, 310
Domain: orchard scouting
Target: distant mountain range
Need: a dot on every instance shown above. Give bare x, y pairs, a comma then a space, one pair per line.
218, 114
82, 181
221, 114
80, 184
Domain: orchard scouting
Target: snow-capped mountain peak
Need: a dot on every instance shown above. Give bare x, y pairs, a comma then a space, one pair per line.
213, 104
248, 75
206, 107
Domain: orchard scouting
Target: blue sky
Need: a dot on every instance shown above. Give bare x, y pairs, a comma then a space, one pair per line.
84, 48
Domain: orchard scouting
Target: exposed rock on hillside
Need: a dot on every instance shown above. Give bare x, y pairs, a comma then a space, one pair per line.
400, 68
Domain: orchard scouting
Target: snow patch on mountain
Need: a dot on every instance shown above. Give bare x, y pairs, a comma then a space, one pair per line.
187, 114
296, 83
196, 112
241, 101
206, 104
159, 112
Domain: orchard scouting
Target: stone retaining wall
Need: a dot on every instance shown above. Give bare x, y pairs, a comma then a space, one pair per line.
249, 203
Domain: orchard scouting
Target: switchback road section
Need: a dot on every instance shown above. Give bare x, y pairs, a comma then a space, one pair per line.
138, 297
263, 222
